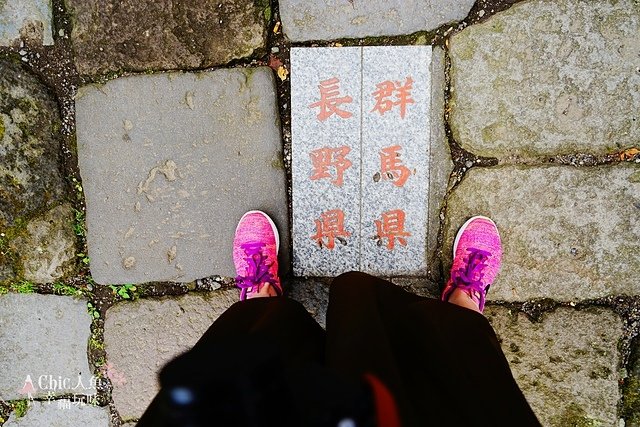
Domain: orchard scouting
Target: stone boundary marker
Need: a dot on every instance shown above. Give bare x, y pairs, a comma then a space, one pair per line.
361, 144
169, 164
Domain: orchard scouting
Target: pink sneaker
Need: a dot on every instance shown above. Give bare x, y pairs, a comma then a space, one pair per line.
255, 254
477, 254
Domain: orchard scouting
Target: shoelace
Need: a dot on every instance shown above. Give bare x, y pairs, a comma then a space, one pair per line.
257, 269
469, 278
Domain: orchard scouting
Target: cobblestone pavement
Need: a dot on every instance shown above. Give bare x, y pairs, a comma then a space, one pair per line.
134, 134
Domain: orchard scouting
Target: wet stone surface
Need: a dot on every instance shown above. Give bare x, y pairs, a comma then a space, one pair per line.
568, 234
28, 19
43, 336
51, 414
164, 35
526, 90
170, 163
569, 378
164, 328
304, 20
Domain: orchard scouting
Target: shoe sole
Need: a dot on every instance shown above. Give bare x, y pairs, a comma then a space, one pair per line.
464, 227
273, 227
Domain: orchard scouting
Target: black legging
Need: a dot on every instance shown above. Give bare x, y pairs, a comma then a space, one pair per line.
266, 362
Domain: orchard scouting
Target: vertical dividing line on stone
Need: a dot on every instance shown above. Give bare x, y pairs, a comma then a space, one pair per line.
361, 155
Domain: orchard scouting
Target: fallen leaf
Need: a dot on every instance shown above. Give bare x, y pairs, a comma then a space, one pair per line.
629, 154
276, 28
282, 73
274, 62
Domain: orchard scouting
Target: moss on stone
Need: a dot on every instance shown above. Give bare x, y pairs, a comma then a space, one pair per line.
20, 407
575, 416
631, 401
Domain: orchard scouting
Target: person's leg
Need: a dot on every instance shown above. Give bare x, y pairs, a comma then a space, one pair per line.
239, 371
441, 360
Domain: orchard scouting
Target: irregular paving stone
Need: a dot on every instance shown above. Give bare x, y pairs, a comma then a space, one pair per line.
170, 163
566, 82
30, 178
29, 19
566, 365
48, 250
304, 20
44, 338
164, 35
164, 328
54, 414
567, 233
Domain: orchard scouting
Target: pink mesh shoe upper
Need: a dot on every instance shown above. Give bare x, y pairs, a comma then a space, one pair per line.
255, 254
476, 261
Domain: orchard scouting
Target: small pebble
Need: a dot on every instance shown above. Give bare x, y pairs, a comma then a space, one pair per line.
468, 163
275, 49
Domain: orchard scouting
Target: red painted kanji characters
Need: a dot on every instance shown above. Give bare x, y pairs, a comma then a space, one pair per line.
391, 166
329, 228
330, 99
326, 158
391, 227
387, 89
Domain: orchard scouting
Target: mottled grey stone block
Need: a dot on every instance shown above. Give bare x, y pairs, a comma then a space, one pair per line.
44, 338
565, 82
396, 96
29, 19
111, 35
52, 413
566, 365
333, 19
567, 233
48, 248
169, 164
326, 197
388, 195
29, 145
164, 328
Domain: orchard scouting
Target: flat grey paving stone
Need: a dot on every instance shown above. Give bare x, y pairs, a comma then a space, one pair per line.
566, 365
170, 163
140, 337
52, 414
566, 82
567, 233
304, 20
44, 339
111, 35
29, 19
370, 159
